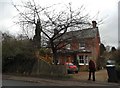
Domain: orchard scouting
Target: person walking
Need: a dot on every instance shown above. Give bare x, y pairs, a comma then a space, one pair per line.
92, 70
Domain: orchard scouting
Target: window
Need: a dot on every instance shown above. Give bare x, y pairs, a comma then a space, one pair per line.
86, 59
83, 60
82, 45
68, 46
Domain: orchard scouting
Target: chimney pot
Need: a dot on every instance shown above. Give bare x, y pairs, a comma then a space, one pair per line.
94, 23
55, 31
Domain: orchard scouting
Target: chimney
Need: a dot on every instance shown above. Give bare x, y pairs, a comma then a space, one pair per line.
55, 31
94, 24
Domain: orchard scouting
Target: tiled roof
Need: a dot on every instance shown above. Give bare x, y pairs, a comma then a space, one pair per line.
73, 51
85, 33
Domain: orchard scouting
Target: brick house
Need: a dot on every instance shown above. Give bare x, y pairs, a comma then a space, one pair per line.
82, 46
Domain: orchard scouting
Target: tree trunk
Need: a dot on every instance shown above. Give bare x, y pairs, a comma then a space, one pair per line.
55, 57
55, 61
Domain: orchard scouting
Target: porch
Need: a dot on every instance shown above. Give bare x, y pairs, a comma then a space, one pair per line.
78, 57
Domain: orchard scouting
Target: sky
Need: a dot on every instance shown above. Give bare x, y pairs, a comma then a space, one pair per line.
107, 9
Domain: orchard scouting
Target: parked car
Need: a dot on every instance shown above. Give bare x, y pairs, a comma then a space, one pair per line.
71, 68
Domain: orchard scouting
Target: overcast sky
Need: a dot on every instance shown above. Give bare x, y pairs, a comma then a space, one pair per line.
108, 11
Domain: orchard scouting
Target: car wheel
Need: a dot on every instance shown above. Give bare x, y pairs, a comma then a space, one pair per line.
68, 72
76, 71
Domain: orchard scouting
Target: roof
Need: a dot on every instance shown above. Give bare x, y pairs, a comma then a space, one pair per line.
84, 33
73, 51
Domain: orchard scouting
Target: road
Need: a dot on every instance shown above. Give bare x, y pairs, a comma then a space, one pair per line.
80, 80
25, 83
15, 83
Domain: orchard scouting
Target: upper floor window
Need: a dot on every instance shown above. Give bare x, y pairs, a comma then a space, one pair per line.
82, 44
68, 46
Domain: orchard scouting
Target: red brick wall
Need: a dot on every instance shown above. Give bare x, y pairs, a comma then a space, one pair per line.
90, 44
74, 44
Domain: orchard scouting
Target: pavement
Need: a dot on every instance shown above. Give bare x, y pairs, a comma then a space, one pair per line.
101, 76
79, 79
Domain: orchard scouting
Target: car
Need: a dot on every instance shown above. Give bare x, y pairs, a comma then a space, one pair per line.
71, 68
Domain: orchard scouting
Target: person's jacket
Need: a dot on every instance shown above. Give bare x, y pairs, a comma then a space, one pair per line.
92, 65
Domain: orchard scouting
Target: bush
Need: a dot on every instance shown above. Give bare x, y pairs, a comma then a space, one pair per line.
17, 56
19, 64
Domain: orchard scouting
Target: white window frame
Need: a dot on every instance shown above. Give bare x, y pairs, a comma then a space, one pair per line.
68, 46
84, 59
81, 60
81, 45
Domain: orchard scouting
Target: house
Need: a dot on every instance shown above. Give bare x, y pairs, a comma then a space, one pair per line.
82, 46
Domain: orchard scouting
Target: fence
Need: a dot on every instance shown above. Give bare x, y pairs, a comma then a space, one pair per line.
41, 67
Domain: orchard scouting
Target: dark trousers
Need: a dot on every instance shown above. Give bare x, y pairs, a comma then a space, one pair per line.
93, 75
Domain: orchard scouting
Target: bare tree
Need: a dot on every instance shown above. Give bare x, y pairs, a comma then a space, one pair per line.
53, 24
